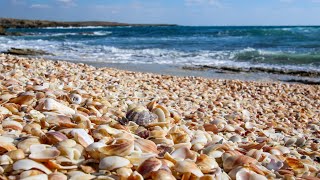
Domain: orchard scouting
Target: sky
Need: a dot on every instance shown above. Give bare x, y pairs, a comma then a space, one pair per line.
182, 12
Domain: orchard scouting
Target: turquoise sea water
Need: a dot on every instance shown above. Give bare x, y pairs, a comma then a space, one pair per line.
294, 48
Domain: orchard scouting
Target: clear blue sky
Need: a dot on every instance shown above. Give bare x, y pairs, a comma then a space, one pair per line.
183, 12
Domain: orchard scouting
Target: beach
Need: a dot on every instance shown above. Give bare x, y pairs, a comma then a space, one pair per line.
64, 120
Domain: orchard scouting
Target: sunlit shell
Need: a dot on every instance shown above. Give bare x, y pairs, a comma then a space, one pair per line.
187, 166
31, 173
120, 147
42, 153
113, 162
162, 175
10, 124
57, 176
78, 175
16, 154
206, 164
36, 177
82, 137
297, 166
25, 144
27, 164
55, 136
23, 100
52, 105
6, 146
145, 146
148, 166
238, 160
137, 158
5, 160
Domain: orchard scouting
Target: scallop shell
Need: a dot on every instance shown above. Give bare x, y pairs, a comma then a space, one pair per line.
43, 153
82, 137
120, 147
141, 116
52, 105
145, 146
148, 166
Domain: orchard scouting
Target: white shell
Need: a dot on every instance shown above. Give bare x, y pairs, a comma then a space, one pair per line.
113, 162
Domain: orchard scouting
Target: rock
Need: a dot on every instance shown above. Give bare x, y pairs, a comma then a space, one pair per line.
26, 52
2, 31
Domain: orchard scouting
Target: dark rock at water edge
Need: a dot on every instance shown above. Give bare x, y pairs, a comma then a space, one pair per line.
26, 52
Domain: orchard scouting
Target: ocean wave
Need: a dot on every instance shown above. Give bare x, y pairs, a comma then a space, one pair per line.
74, 27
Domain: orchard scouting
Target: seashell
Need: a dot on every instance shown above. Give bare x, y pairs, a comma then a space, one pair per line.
235, 138
124, 172
145, 146
211, 128
57, 176
137, 158
5, 111
206, 164
244, 174
245, 115
55, 136
42, 153
148, 166
11, 124
25, 144
5, 160
22, 100
119, 147
290, 141
27, 164
93, 149
297, 166
52, 105
257, 154
162, 175
274, 165
141, 116
75, 98
300, 142
187, 166
232, 162
113, 162
183, 153
135, 176
6, 146
36, 177
82, 137
30, 173
159, 112
220, 124
16, 154
78, 175
253, 146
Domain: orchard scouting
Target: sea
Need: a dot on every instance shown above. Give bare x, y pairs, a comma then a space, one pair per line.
261, 49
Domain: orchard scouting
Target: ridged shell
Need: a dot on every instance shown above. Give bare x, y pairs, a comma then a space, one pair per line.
141, 116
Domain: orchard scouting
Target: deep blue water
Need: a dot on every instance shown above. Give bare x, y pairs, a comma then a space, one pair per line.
292, 48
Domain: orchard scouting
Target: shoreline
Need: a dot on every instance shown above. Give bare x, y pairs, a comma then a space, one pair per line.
121, 123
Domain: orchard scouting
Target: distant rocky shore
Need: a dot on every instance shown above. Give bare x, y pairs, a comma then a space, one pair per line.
23, 23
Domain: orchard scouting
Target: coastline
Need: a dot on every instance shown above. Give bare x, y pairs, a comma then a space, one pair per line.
199, 120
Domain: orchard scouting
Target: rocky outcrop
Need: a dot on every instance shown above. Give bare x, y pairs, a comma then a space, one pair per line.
2, 30
22, 23
26, 52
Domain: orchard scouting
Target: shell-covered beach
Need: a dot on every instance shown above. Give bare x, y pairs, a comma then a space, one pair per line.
61, 120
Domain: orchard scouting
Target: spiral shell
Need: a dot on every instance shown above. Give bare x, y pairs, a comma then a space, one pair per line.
141, 116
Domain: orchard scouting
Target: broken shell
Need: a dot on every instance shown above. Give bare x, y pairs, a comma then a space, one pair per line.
235, 161
160, 114
23, 100
141, 116
124, 172
187, 166
290, 141
113, 162
82, 137
6, 146
5, 160
206, 164
148, 166
42, 153
10, 124
55, 137
78, 175
27, 164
